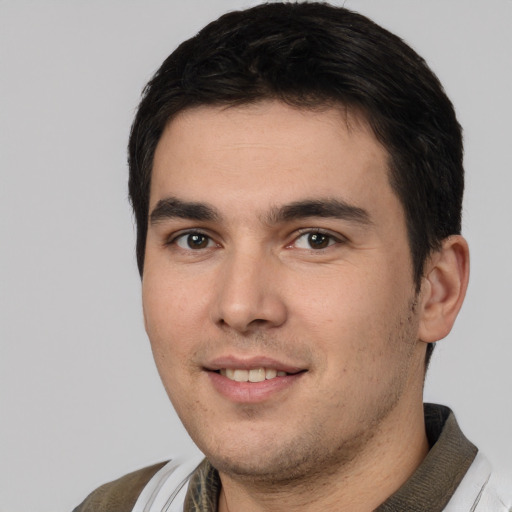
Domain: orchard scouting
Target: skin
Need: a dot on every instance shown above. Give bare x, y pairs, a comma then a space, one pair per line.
328, 294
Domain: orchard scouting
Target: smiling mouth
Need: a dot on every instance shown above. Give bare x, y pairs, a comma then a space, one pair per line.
252, 375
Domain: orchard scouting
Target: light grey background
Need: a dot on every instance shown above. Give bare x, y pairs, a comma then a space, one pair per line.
81, 402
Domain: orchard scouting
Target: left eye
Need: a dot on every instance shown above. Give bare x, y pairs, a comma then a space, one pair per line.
315, 240
194, 241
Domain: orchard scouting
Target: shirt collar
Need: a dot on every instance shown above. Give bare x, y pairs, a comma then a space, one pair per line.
435, 480
429, 488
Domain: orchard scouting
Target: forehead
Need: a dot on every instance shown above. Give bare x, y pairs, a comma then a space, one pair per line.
268, 147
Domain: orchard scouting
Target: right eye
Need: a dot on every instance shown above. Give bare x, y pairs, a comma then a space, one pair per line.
194, 241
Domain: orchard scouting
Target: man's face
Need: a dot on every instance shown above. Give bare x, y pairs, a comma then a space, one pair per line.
277, 253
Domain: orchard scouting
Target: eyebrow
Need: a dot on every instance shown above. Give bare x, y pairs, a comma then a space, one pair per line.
327, 208
172, 208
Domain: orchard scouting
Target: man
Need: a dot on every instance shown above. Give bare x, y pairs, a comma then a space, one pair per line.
296, 176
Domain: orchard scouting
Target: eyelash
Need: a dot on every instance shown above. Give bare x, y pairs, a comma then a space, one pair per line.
305, 232
186, 235
332, 239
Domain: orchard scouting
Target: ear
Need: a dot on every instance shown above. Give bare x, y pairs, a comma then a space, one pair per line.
443, 288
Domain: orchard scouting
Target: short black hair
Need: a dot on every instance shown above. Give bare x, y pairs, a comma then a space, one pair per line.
310, 55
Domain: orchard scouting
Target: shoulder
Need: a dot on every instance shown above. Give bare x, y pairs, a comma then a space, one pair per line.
482, 490
497, 494
121, 494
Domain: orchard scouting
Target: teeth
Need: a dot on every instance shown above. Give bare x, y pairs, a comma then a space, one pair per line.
257, 375
270, 373
254, 375
241, 375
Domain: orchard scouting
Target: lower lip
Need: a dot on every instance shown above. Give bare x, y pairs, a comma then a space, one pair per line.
252, 392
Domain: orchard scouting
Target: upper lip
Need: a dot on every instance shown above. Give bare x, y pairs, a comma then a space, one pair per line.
248, 363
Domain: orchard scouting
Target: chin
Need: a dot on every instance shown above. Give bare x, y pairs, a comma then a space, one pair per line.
274, 460
266, 467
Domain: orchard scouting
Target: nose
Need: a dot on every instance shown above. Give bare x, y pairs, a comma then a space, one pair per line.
250, 296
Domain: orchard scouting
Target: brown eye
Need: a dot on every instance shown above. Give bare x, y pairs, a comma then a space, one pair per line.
315, 240
319, 240
194, 241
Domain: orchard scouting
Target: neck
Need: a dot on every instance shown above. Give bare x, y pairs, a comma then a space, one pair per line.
359, 485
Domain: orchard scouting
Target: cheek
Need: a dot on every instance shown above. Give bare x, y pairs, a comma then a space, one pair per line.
343, 303
163, 313
164, 322
169, 301
356, 317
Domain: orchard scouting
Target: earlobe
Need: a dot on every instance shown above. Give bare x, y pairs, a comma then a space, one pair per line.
443, 288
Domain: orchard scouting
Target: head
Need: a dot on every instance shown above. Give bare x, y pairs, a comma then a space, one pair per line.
314, 55
296, 176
